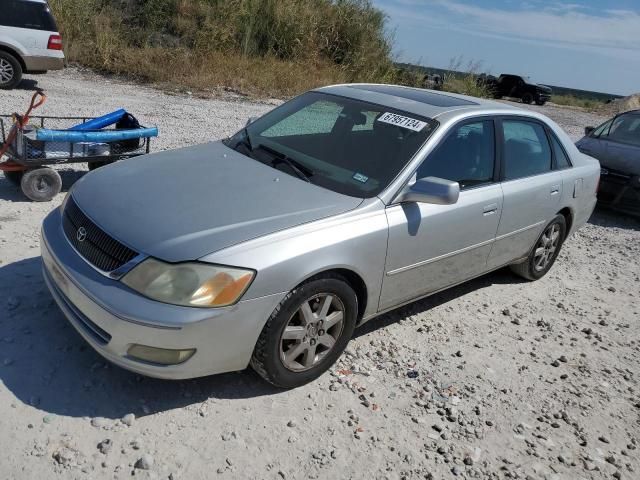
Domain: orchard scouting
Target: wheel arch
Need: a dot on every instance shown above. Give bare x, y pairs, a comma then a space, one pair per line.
15, 53
567, 213
354, 280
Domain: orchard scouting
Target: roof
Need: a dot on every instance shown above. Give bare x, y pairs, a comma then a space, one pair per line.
419, 101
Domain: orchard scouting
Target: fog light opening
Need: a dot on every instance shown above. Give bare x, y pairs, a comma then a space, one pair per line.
162, 356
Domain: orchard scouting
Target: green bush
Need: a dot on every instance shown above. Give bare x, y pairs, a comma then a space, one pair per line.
347, 36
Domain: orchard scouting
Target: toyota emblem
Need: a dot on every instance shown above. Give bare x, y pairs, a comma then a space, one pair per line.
82, 234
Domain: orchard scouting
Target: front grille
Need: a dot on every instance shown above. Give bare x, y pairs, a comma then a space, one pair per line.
96, 246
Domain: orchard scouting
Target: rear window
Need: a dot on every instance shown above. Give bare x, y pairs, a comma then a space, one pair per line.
27, 14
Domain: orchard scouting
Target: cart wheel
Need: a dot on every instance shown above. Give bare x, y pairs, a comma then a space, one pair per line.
41, 184
94, 165
14, 176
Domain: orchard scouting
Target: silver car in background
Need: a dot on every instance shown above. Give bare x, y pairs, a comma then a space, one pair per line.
270, 247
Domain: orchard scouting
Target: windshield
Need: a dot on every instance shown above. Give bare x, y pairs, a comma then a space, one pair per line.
351, 147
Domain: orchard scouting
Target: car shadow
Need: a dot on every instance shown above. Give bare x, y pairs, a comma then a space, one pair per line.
13, 193
28, 84
501, 277
45, 363
607, 217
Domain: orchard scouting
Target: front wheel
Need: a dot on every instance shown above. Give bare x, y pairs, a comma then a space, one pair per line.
540, 102
544, 253
307, 332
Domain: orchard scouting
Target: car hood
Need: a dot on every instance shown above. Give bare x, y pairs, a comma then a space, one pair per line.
183, 204
621, 158
544, 88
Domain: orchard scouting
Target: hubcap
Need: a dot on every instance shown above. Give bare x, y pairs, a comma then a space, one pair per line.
312, 332
6, 71
546, 247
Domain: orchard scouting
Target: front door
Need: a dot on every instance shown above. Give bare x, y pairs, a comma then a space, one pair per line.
434, 246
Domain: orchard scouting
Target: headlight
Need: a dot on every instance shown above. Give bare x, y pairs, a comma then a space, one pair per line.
189, 284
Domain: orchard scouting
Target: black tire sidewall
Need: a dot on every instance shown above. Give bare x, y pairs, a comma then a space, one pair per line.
17, 71
559, 219
527, 98
31, 177
14, 177
270, 359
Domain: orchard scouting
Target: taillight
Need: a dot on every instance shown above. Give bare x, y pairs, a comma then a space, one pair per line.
55, 42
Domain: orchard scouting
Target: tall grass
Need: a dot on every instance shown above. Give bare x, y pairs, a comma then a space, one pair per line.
265, 47
573, 101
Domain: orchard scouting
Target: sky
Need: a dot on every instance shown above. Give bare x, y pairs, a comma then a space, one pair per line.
583, 44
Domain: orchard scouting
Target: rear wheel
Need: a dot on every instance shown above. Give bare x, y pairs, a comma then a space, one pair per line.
41, 184
10, 71
14, 176
527, 98
307, 332
544, 253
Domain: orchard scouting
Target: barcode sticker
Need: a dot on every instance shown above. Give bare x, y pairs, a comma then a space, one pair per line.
400, 121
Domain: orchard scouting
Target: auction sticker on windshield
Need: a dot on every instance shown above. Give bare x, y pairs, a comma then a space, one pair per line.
400, 121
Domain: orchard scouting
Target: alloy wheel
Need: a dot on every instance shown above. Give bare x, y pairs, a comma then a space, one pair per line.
546, 247
312, 332
6, 71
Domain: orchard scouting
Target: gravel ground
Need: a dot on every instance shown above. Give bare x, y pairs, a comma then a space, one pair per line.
494, 379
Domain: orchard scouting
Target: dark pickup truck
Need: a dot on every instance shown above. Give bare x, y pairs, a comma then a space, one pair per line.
516, 86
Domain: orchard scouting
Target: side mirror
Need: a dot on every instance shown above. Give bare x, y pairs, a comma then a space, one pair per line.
250, 120
588, 130
433, 190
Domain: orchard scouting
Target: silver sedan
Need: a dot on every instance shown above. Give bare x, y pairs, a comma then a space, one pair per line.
270, 247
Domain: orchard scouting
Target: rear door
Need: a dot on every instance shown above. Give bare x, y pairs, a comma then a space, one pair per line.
531, 188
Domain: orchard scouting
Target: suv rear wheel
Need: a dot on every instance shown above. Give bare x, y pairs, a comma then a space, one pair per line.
10, 71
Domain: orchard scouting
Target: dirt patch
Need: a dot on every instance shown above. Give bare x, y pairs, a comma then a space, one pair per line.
497, 378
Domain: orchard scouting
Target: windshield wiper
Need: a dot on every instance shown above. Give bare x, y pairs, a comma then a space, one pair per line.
247, 139
302, 171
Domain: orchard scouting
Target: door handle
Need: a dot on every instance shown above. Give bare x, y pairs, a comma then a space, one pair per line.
490, 209
555, 189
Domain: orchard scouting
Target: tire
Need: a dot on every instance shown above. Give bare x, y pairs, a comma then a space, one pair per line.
41, 184
10, 71
540, 102
14, 177
95, 165
527, 98
269, 359
531, 268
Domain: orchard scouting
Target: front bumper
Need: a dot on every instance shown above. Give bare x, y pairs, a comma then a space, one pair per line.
619, 191
111, 317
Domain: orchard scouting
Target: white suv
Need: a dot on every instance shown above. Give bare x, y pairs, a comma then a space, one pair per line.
29, 41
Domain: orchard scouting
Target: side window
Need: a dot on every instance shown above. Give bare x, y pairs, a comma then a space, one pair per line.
466, 156
562, 161
317, 118
626, 129
526, 149
31, 15
602, 129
